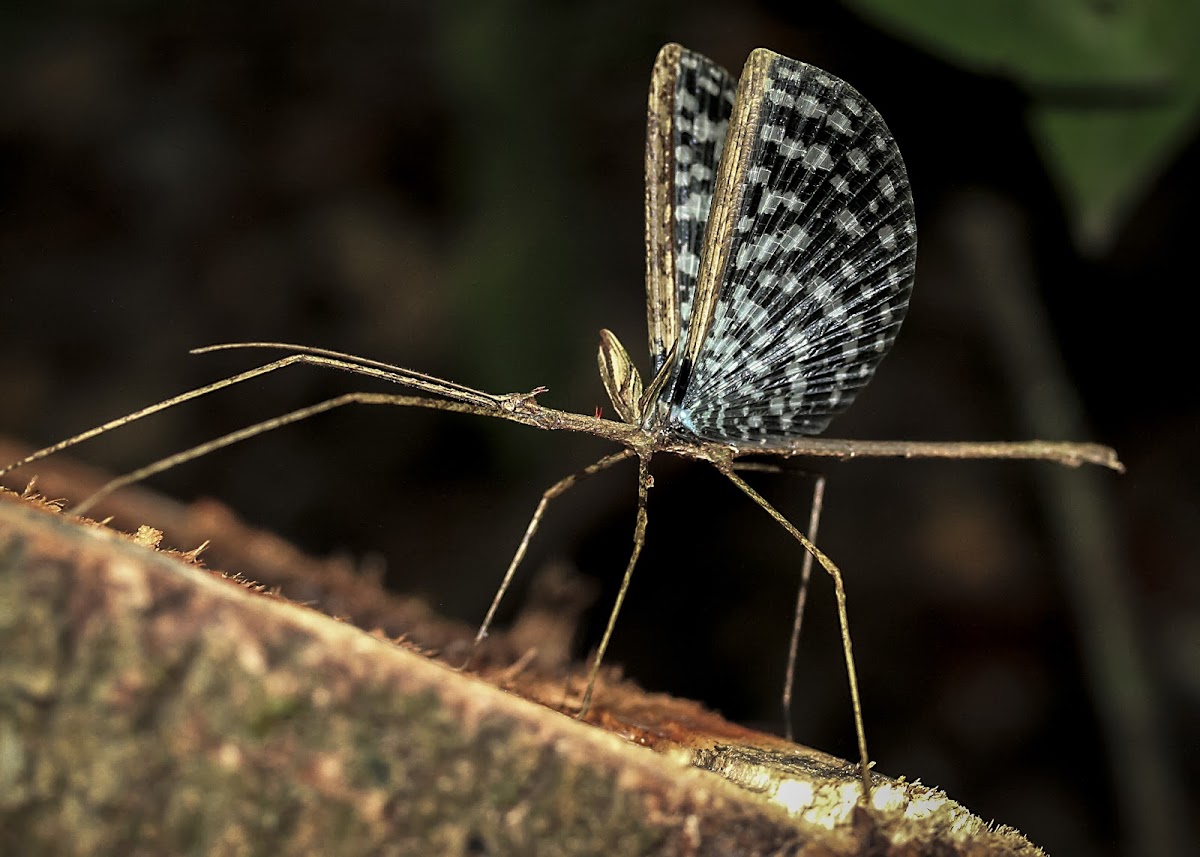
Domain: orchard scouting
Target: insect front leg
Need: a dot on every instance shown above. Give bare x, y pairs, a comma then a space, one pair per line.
639, 539
555, 490
258, 428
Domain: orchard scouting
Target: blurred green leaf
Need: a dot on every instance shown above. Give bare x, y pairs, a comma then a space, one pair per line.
1114, 85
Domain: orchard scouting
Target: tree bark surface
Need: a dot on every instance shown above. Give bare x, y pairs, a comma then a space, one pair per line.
149, 705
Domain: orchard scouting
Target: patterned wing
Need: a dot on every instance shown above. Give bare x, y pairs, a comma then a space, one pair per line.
691, 99
807, 266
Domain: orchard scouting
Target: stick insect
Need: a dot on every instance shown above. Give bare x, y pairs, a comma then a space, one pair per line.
780, 256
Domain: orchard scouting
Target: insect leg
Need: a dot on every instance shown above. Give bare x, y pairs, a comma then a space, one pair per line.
789, 681
814, 519
549, 494
269, 425
843, 619
428, 384
639, 539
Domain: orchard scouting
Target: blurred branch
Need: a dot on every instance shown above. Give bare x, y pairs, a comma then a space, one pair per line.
1084, 526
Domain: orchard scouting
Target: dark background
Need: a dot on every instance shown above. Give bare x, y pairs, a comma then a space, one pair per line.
460, 191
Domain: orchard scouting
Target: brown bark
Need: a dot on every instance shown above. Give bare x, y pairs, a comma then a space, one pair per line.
151, 706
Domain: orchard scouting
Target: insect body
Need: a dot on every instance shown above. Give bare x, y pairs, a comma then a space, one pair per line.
780, 247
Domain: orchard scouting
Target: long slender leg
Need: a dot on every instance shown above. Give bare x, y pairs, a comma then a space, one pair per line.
814, 519
269, 425
365, 365
639, 538
485, 402
789, 682
843, 619
549, 494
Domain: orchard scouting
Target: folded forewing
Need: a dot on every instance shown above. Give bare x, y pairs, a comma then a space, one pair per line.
807, 265
691, 99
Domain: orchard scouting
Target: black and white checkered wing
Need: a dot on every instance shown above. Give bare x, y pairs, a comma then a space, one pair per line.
691, 99
807, 265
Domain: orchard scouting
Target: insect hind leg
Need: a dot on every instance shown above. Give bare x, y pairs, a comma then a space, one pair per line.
814, 520
843, 619
789, 680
